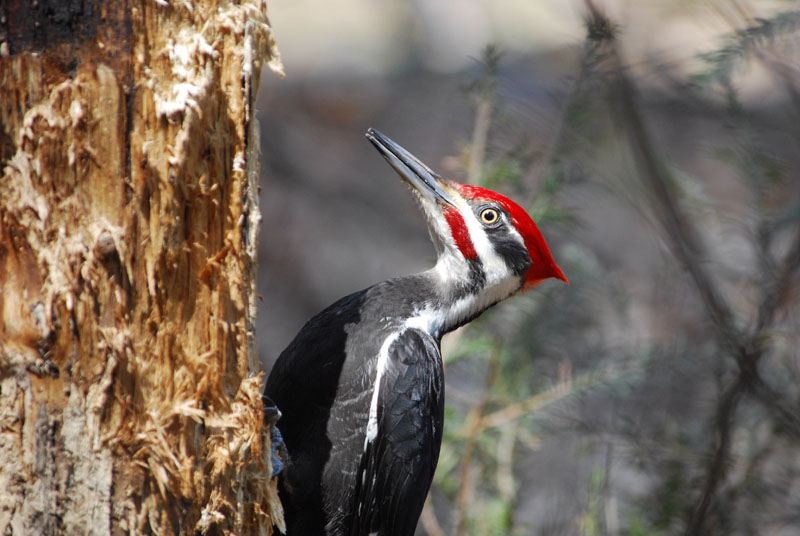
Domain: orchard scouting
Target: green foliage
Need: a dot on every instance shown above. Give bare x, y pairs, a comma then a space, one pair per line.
741, 45
639, 525
591, 520
495, 518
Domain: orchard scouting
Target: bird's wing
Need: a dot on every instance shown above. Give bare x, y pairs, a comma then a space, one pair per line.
303, 384
397, 465
304, 377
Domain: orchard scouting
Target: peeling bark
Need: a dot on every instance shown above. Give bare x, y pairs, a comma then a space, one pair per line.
129, 383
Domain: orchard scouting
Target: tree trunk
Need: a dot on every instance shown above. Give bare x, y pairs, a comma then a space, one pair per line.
129, 383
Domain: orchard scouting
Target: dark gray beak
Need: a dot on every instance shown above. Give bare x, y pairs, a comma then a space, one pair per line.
410, 168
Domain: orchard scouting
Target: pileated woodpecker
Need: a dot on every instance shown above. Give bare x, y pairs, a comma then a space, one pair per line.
361, 387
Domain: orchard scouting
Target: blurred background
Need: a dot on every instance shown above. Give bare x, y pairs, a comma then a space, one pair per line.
657, 145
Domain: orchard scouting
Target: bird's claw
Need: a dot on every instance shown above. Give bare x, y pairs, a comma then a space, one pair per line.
271, 416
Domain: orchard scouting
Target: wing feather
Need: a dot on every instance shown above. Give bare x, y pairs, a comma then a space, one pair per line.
397, 467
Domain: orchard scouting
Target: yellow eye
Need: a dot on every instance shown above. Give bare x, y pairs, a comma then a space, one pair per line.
489, 216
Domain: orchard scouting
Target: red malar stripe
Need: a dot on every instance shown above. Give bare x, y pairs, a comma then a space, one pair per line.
458, 228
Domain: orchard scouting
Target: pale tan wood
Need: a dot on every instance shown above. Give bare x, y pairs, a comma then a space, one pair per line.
129, 382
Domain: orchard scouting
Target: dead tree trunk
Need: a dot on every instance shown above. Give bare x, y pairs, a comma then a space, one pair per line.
129, 386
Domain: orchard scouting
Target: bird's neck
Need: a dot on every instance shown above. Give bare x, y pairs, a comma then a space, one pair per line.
459, 293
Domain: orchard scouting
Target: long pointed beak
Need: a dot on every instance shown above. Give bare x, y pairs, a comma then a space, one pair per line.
410, 168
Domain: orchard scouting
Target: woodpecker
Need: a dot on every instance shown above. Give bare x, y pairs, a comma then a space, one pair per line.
361, 386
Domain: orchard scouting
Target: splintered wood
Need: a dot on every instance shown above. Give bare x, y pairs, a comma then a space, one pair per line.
129, 385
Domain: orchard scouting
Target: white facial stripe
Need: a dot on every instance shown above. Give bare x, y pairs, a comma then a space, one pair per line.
494, 266
513, 232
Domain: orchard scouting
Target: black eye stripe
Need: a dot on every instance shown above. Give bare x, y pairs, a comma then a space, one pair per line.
510, 247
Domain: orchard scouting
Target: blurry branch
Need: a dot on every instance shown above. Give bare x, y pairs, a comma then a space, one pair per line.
750, 474
600, 517
686, 245
778, 289
715, 471
557, 137
685, 242
743, 42
533, 175
556, 393
610, 517
484, 90
479, 134
473, 430
505, 462
784, 71
758, 38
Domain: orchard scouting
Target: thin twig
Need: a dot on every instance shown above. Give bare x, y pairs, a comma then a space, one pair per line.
685, 241
781, 68
558, 133
778, 289
484, 88
558, 392
480, 133
473, 431
726, 410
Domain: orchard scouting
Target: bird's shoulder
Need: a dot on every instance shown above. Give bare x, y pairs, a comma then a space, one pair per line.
361, 319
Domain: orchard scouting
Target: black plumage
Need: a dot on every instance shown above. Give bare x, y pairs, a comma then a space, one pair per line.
397, 467
337, 482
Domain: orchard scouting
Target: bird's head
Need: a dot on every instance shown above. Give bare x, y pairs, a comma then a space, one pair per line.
482, 238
